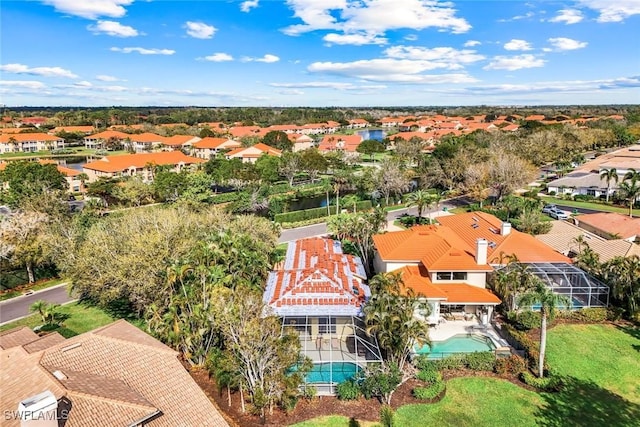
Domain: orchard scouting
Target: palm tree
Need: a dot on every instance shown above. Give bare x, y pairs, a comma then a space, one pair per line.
630, 188
549, 302
623, 273
609, 175
418, 199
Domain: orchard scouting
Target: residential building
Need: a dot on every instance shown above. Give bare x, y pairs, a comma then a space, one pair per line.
300, 142
358, 124
610, 225
210, 147
87, 130
141, 165
144, 142
112, 376
29, 142
569, 240
348, 143
179, 142
253, 153
74, 184
319, 292
102, 140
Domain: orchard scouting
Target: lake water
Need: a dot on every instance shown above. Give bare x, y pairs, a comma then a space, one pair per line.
375, 134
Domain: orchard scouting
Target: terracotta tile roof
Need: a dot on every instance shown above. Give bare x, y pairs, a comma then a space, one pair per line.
317, 278
115, 375
340, 142
16, 337
471, 226
80, 129
612, 223
215, 143
179, 140
256, 150
109, 134
417, 279
436, 247
146, 137
26, 137
141, 160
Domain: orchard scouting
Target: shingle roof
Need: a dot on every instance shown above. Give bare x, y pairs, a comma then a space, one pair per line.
16, 337
612, 223
115, 375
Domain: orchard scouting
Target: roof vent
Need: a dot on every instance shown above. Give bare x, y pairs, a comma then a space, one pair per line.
71, 347
59, 375
475, 226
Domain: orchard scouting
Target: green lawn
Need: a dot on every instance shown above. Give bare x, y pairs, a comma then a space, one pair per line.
590, 205
81, 318
601, 364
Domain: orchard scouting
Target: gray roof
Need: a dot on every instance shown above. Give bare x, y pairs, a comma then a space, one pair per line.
579, 179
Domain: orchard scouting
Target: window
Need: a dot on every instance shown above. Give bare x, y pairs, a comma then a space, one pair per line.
297, 323
327, 325
449, 275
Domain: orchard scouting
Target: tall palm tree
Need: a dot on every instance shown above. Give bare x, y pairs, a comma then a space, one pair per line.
418, 199
549, 303
609, 175
434, 199
630, 188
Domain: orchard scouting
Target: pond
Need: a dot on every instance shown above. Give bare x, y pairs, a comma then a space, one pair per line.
375, 134
307, 203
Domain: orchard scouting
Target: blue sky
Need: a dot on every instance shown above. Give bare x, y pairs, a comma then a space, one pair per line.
318, 52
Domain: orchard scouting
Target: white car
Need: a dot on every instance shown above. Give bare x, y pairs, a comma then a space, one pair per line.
558, 214
548, 208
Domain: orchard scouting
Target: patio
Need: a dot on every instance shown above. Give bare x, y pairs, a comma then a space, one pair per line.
448, 328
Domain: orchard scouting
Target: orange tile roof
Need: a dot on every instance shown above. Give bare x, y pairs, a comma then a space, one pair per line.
33, 136
146, 137
81, 129
317, 278
245, 152
526, 247
612, 223
214, 143
340, 142
141, 160
178, 140
417, 279
109, 134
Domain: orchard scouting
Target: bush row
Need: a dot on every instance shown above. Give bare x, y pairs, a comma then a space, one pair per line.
348, 390
225, 197
309, 214
432, 391
590, 315
478, 361
522, 340
548, 383
511, 365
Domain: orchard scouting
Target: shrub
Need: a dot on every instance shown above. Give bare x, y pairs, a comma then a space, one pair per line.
423, 363
586, 315
549, 383
583, 198
511, 365
429, 376
451, 362
348, 390
520, 339
430, 392
480, 361
314, 213
380, 381
309, 392
525, 320
387, 416
552, 193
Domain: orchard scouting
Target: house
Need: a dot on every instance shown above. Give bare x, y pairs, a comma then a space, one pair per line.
610, 225
74, 184
579, 182
319, 293
145, 142
141, 165
348, 143
253, 153
564, 237
179, 142
87, 130
103, 139
29, 142
300, 142
209, 147
116, 375
358, 124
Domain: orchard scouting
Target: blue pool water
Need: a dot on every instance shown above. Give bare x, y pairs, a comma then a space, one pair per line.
575, 303
457, 344
331, 372
375, 134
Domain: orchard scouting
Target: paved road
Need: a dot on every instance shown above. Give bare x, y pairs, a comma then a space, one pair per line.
321, 229
570, 209
15, 308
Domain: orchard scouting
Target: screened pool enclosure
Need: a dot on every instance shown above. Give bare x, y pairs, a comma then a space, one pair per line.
566, 279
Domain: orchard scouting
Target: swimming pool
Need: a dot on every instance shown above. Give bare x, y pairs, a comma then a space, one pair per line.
463, 343
331, 372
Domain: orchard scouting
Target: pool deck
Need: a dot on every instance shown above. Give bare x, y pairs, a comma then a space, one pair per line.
449, 328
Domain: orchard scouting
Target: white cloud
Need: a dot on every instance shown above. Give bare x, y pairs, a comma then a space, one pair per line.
268, 58
218, 57
247, 5
558, 86
518, 17
24, 84
200, 30
563, 43
438, 57
411, 37
516, 44
106, 78
472, 43
373, 17
513, 63
328, 85
90, 9
613, 11
83, 83
113, 28
143, 51
356, 39
568, 16
37, 71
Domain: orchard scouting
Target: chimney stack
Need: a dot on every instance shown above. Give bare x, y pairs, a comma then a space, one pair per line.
40, 410
506, 228
481, 251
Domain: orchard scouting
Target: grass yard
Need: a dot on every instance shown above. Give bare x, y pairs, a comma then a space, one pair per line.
335, 421
80, 318
601, 364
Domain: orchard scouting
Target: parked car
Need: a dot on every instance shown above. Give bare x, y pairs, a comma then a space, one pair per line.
548, 208
558, 214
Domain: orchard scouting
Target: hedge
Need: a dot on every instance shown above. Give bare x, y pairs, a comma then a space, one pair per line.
308, 214
548, 383
430, 392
